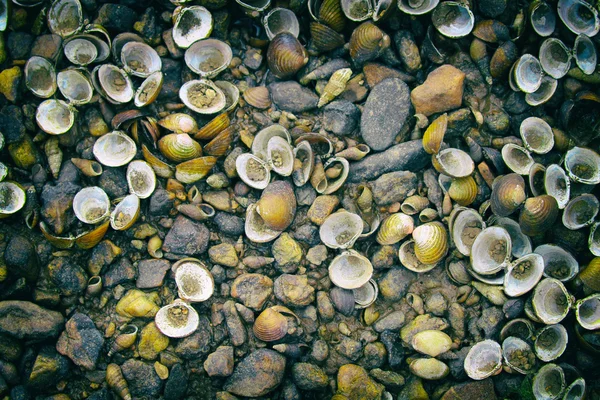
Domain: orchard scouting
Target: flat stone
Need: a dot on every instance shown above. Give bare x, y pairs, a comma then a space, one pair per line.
294, 290
160, 202
26, 320
316, 255
393, 321
81, 341
21, 258
483, 389
220, 363
253, 290
142, 379
186, 237
394, 187
441, 91
408, 156
257, 374
235, 326
340, 117
119, 272
394, 284
385, 112
291, 96
375, 73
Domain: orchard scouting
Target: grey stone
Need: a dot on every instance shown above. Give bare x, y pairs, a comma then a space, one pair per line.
350, 348
253, 290
21, 258
374, 355
316, 255
491, 321
394, 348
307, 233
19, 44
395, 283
57, 208
160, 202
257, 374
142, 379
492, 8
393, 321
174, 51
340, 117
69, 277
229, 224
385, 113
253, 58
116, 17
186, 237
120, 272
151, 273
197, 345
114, 182
436, 304
320, 350
394, 187
291, 96
177, 383
309, 376
409, 156
325, 306
171, 70
390, 379
235, 326
220, 363
81, 341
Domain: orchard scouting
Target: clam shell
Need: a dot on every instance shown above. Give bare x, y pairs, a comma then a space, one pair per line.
262, 138
408, 258
542, 18
141, 179
558, 263
258, 97
429, 368
434, 135
350, 270
195, 169
453, 19
202, 96
54, 117
537, 135
254, 7
587, 312
160, 167
521, 243
270, 325
491, 250
518, 355
594, 239
548, 382
538, 214
65, 17
286, 55
341, 229
463, 190
465, 228
502, 59
277, 205
125, 213
212, 128
431, 242
56, 241
220, 144
255, 227
12, 198
280, 20
232, 95
543, 93
590, 276
194, 281
551, 302
89, 239
149, 89
523, 274
483, 360
555, 58
182, 123
179, 147
367, 42
551, 342
508, 193
192, 24
412, 7
395, 228
536, 179
40, 77
140, 60
517, 158
583, 165
365, 295
575, 390
280, 156
453, 162
91, 205
331, 14
579, 16
121, 40
114, 83
75, 86
303, 163
519, 327
343, 300
325, 38
527, 73
357, 10
253, 171
584, 52
208, 57
177, 319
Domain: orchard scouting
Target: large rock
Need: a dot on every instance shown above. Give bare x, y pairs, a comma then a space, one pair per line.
404, 156
49, 367
395, 283
142, 379
354, 382
441, 91
394, 187
385, 113
291, 96
186, 237
26, 320
69, 277
257, 374
197, 345
81, 341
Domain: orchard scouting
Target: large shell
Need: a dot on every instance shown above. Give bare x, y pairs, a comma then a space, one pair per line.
579, 16
584, 52
208, 57
453, 19
551, 342
12, 198
538, 214
542, 18
453, 162
54, 117
91, 205
220, 144
367, 42
125, 213
558, 263
192, 24
521, 243
557, 185
551, 302
114, 149
581, 211
548, 382
583, 165
65, 17
253, 171
590, 276
517, 158
466, 226
195, 169
255, 227
491, 250
277, 205
408, 258
149, 89
75, 86
140, 60
507, 195
262, 138
177, 319
280, 20
518, 355
194, 281
434, 134
395, 228
350, 270
202, 96
141, 179
341, 229
555, 58
537, 135
271, 325
431, 242
40, 77
286, 55
587, 312
179, 147
483, 360
523, 274
114, 83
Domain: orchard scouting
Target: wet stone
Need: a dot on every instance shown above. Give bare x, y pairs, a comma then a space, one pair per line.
394, 187
316, 255
116, 17
374, 355
492, 8
47, 46
291, 96
119, 272
390, 379
354, 383
235, 326
349, 348
375, 73
113, 182
220, 363
253, 290
174, 51
393, 321
186, 237
340, 117
471, 390
229, 224
152, 342
177, 384
441, 91
10, 79
223, 254
142, 379
49, 367
160, 202
253, 58
305, 195
457, 369
69, 277
294, 290
307, 233
491, 321
171, 70
197, 345
395, 283
81, 341
421, 323
21, 258
436, 304
287, 253
319, 351
309, 376
257, 374
19, 44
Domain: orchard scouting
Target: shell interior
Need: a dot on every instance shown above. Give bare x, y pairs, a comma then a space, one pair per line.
537, 135
12, 198
149, 89
453, 19
551, 301
114, 149
341, 229
281, 20
528, 73
115, 83
576, 390
342, 165
65, 17
139, 59
75, 86
192, 24
231, 92
262, 138
455, 163
542, 18
579, 16
518, 354
350, 270
555, 58
80, 51
125, 213
202, 96
357, 10
491, 250
54, 117
588, 312
280, 156
583, 165
365, 295
594, 239
544, 92
303, 153
91, 205
253, 171
483, 360
557, 185
581, 211
519, 327
465, 228
40, 77
521, 243
141, 179
255, 227
194, 282
548, 382
121, 40
551, 342
208, 57
523, 274
517, 158
412, 7
177, 320
585, 54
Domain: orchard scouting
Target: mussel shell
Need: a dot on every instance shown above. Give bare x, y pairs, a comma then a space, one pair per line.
417, 7
194, 281
180, 123
395, 228
65, 17
537, 135
453, 19
179, 147
542, 18
40, 77
195, 169
583, 165
367, 42
121, 40
551, 302
581, 211
253, 171
149, 90
286, 55
141, 179
579, 16
551, 342
140, 60
192, 24
408, 258
91, 205
80, 51
277, 205
270, 325
262, 138
491, 250
555, 58
208, 57
576, 390
538, 214
280, 20
171, 325
518, 355
523, 274
253, 7
12, 198
587, 312
341, 229
543, 93
528, 73
557, 185
55, 117
548, 382
508, 194
483, 360
466, 225
517, 158
114, 149
202, 96
75, 86
350, 270
431, 242
125, 213
585, 55
255, 228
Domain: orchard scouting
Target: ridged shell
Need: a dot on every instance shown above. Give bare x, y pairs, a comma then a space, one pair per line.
160, 167
331, 14
177, 320
125, 213
587, 312
220, 144
408, 258
277, 205
179, 147
89, 239
453, 162
395, 228
343, 300
213, 128
491, 31
54, 155
550, 342
124, 339
367, 42
286, 55
193, 170
194, 281
270, 326
341, 229
431, 242
434, 134
483, 360
551, 302
335, 86
508, 194
590, 276
463, 190
258, 97
350, 270
538, 214
116, 381
523, 274
180, 123
325, 38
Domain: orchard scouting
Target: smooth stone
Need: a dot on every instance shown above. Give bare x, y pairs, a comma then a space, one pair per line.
407, 156
307, 233
174, 51
429, 368
26, 320
151, 273
220, 363
235, 326
305, 195
316, 255
160, 202
349, 348
81, 341
47, 46
49, 367
393, 321
394, 187
421, 323
408, 51
21, 258
374, 355
69, 277
10, 80
436, 304
152, 342
257, 374
354, 382
441, 91
390, 379
320, 350
294, 290
116, 17
197, 345
325, 306
229, 224
385, 113
291, 96
253, 290
253, 58
138, 304
394, 284
19, 44
186, 237
177, 383
142, 379
223, 254
287, 253
113, 182
340, 117
57, 208
309, 376
119, 272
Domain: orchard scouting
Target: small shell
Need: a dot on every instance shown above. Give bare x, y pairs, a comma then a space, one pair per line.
335, 86
537, 135
88, 167
114, 149
557, 185
177, 320
502, 59
54, 155
357, 10
551, 342
367, 42
253, 171
91, 205
542, 18
584, 52
463, 190
583, 165
395, 228
80, 51
65, 17
350, 270
303, 163
208, 57
182, 123
465, 227
538, 214
431, 242
160, 167
124, 339
270, 325
343, 300
179, 147
192, 24
280, 20
527, 73
141, 179
341, 229
543, 93
89, 239
198, 212
414, 204
518, 355
329, 13
431, 342
54, 117
521, 243
75, 86
558, 263
491, 250
429, 368
261, 140
483, 360
258, 97
212, 128
365, 295
330, 185
453, 19
149, 89
587, 312
232, 95
116, 381
508, 194
193, 170
286, 55
551, 302
523, 274
517, 158
453, 162
194, 281
280, 156
202, 96
355, 153
548, 382
434, 135
113, 83
125, 213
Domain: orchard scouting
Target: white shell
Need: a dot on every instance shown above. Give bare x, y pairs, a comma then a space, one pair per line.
492, 239
303, 152
202, 96
114, 149
208, 57
548, 382
281, 20
192, 24
115, 84
365, 295
483, 360
586, 205
555, 57
91, 205
255, 228
557, 185
350, 270
141, 179
463, 239
54, 117
580, 158
556, 257
341, 229
551, 302
455, 162
520, 242
125, 213
168, 324
587, 312
261, 140
280, 156
148, 90
231, 92
537, 135
140, 60
517, 158
40, 77
557, 338
246, 161
80, 51
194, 281
12, 198
515, 344
518, 282
75, 86
335, 184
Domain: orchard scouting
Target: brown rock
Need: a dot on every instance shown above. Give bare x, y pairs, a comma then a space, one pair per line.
220, 363
252, 290
321, 208
294, 290
441, 91
472, 390
375, 73
257, 374
354, 383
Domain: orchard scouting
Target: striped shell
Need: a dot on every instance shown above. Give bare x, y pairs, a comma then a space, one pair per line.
331, 14
195, 169
434, 135
508, 194
463, 190
286, 55
324, 38
116, 381
258, 97
212, 128
538, 214
160, 167
431, 242
395, 228
271, 324
179, 147
414, 204
367, 42
219, 145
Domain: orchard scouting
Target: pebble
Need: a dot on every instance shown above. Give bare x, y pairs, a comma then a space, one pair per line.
223, 254
113, 182
309, 376
390, 379
305, 195
19, 44
457, 365
160, 202
229, 224
116, 17
21, 258
436, 304
374, 355
69, 277
393, 321
394, 348
395, 283
320, 350
321, 208
142, 379
354, 383
197, 345
186, 237
340, 117
375, 73
491, 322
308, 234
394, 187
10, 80
152, 342
257, 374
49, 367
294, 290
385, 113
441, 91
47, 46
172, 71
161, 370
483, 389
10, 348
235, 326
253, 290
81, 341
316, 255
291, 96
220, 363
177, 383
287, 253
253, 58
350, 348
421, 323
492, 8
174, 51
119, 272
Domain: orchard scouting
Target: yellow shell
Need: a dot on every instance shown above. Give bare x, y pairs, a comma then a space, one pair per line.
54, 155
332, 15
160, 167
194, 170
219, 145
414, 204
463, 190
286, 55
258, 97
138, 304
212, 128
431, 242
367, 42
277, 205
88, 167
116, 381
354, 153
179, 147
270, 325
56, 241
434, 135
124, 340
508, 193
590, 276
538, 214
179, 123
335, 86
90, 239
365, 199
395, 228
324, 38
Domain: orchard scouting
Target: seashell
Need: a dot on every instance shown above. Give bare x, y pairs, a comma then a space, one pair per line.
523, 274
335, 86
277, 205
517, 158
220, 144
149, 90
271, 325
491, 250
280, 20
211, 129
458, 272
414, 204
253, 171
555, 58
382, 9
325, 38
591, 274
521, 243
583, 165
258, 97
202, 96
40, 77
519, 327
194, 281
177, 319
542, 18
408, 258
429, 368
139, 59
113, 83
91, 205
195, 169
192, 24
431, 242
537, 135
395, 228
518, 355
587, 312
253, 7
154, 247
124, 339
550, 342
579, 17
543, 93
417, 7
56, 241
262, 138
548, 382
340, 230
463, 190
364, 200
208, 57
198, 212
585, 55
328, 12
184, 123
179, 147
416, 302
483, 360
491, 31
354, 153
255, 228
141, 179
65, 17
357, 10
367, 42
137, 304
365, 295
538, 214
91, 238
303, 163
502, 59
350, 270
286, 55
232, 95
453, 19
125, 213
54, 155
54, 117
280, 156
160, 167
558, 263
431, 342
527, 73
116, 381
536, 179
320, 144
465, 228
114, 149
575, 390
551, 301
343, 300
434, 134
75, 86
453, 162
320, 180
508, 193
